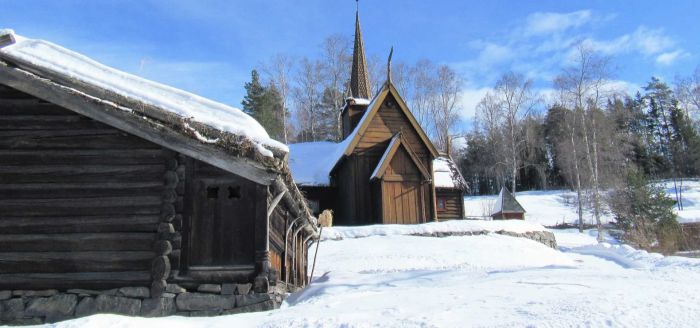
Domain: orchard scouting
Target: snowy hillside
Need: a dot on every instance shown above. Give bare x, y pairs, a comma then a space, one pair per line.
547, 208
553, 207
385, 279
691, 199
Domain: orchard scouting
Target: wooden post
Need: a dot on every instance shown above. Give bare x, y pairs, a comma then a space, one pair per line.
262, 241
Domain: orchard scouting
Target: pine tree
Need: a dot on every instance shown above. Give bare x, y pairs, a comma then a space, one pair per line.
265, 105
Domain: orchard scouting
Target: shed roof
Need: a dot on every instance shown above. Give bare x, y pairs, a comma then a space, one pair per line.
506, 203
447, 175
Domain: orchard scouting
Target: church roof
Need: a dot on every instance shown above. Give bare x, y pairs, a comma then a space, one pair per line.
359, 77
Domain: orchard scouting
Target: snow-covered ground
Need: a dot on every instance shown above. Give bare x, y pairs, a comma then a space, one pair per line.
548, 208
387, 279
691, 199
553, 207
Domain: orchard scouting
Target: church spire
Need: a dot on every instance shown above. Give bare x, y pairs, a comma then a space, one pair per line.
359, 77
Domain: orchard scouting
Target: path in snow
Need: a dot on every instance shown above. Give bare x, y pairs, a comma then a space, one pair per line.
487, 280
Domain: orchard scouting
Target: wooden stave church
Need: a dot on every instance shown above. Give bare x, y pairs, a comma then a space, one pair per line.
385, 153
152, 236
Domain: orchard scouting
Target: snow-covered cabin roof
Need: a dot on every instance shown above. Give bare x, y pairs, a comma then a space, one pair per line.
446, 174
212, 132
506, 203
54, 60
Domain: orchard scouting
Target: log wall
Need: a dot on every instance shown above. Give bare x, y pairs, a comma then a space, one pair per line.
76, 197
454, 204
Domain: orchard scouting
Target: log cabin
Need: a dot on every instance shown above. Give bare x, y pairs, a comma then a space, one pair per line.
382, 171
122, 195
450, 188
507, 207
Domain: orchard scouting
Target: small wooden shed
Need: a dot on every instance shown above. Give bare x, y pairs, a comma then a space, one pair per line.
122, 195
507, 207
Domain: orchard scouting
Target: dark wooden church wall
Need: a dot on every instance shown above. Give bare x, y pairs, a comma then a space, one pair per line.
80, 202
454, 204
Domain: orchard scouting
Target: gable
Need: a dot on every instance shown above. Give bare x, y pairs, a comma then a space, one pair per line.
399, 159
387, 115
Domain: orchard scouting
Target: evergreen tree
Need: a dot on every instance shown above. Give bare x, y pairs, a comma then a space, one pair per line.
645, 213
264, 104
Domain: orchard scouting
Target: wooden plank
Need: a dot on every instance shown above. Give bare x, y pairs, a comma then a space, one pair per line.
47, 122
86, 280
76, 209
82, 156
80, 174
59, 262
58, 191
138, 241
31, 106
101, 139
79, 224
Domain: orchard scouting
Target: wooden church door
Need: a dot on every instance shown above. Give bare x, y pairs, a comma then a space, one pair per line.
402, 191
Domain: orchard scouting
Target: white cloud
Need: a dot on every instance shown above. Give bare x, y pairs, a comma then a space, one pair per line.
667, 58
469, 99
643, 40
546, 23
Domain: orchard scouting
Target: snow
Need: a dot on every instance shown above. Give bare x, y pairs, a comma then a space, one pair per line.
691, 199
483, 281
312, 162
547, 208
553, 207
442, 173
58, 60
516, 226
358, 101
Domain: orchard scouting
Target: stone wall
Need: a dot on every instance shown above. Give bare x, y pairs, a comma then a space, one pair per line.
545, 237
24, 307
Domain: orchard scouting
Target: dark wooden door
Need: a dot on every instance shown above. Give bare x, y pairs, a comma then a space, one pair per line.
222, 231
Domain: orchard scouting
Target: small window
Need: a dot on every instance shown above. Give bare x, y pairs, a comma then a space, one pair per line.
213, 192
234, 192
441, 204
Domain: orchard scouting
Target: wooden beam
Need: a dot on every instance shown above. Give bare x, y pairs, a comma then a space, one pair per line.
91, 280
6, 39
130, 122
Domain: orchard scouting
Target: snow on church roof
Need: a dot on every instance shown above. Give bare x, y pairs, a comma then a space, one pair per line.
446, 174
311, 162
54, 59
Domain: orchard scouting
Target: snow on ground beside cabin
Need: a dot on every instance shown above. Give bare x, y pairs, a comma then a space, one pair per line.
485, 280
516, 226
691, 199
62, 61
548, 208
553, 207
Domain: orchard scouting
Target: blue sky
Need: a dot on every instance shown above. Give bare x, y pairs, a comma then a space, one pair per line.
209, 47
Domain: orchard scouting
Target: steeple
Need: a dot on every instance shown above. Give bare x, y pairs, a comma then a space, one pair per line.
359, 77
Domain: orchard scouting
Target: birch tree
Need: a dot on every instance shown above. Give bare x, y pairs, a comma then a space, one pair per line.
582, 86
511, 100
278, 71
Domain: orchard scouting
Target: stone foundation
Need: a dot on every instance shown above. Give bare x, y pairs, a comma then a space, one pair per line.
28, 307
545, 237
